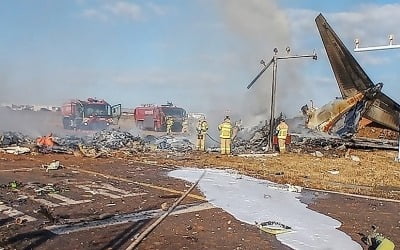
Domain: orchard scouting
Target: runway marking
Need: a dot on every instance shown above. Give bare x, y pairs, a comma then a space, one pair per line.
11, 212
125, 218
104, 189
43, 201
66, 200
137, 183
17, 170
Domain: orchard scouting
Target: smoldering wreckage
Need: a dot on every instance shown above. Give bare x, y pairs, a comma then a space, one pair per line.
330, 131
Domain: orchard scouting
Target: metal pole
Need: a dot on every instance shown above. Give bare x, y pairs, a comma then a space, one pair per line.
377, 48
159, 220
390, 46
274, 62
272, 111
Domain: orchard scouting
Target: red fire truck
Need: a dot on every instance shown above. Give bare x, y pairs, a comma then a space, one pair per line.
92, 114
152, 117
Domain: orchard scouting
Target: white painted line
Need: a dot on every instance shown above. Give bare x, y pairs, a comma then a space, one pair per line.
39, 200
112, 188
202, 206
17, 169
124, 218
99, 191
103, 189
67, 201
44, 202
27, 218
11, 212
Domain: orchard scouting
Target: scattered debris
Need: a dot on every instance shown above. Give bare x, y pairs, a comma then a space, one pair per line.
317, 154
355, 158
333, 171
174, 143
47, 213
273, 227
14, 138
114, 139
20, 220
267, 196
17, 150
15, 185
164, 206
376, 240
43, 189
293, 188
52, 166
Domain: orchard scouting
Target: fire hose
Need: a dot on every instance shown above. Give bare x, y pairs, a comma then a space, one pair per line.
209, 136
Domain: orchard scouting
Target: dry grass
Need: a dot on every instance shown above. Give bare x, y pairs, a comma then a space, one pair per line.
377, 174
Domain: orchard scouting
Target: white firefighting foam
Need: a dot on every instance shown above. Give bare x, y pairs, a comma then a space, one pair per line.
249, 200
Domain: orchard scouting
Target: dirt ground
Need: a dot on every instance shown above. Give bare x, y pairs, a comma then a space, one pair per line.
140, 187
113, 192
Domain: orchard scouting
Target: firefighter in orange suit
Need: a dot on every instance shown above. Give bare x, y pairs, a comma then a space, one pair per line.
282, 130
225, 133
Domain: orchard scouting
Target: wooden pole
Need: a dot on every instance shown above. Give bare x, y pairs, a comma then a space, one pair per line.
159, 220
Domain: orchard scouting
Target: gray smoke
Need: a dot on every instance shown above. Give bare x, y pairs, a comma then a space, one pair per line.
260, 26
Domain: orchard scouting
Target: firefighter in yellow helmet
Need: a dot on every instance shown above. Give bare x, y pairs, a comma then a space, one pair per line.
202, 128
170, 123
282, 130
225, 133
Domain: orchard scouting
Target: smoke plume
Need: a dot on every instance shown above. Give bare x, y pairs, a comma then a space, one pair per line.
260, 26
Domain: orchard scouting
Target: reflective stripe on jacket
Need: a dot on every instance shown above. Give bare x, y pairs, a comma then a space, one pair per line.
202, 128
282, 130
170, 122
225, 129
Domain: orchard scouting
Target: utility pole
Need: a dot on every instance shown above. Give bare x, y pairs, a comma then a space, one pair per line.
274, 62
384, 47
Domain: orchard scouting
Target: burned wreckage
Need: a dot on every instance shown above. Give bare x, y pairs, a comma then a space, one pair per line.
361, 98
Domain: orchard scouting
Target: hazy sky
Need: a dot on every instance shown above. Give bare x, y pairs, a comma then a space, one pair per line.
199, 54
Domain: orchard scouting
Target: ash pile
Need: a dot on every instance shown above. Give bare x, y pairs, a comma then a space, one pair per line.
114, 140
14, 138
251, 140
303, 140
104, 142
169, 143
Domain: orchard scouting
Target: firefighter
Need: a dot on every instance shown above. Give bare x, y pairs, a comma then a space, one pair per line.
185, 126
202, 128
225, 129
282, 131
378, 241
236, 128
170, 123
